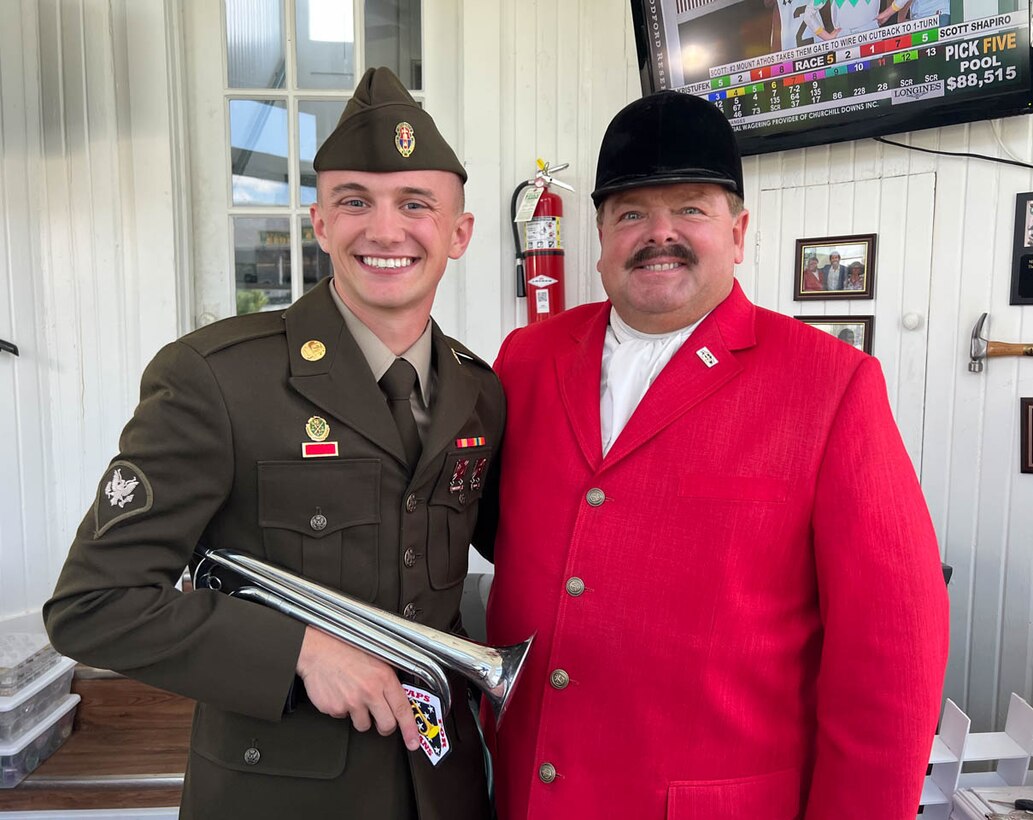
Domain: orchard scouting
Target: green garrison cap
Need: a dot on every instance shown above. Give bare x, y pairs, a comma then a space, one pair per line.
382, 129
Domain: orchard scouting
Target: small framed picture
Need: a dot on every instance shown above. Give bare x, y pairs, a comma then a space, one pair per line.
1026, 423
1022, 252
854, 330
835, 267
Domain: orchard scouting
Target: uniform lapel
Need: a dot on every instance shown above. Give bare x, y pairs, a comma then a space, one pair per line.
340, 382
455, 396
578, 372
687, 379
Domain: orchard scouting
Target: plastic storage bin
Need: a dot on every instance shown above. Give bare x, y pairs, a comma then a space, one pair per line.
20, 712
24, 656
22, 755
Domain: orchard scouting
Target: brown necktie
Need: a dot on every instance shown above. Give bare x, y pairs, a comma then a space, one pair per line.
397, 384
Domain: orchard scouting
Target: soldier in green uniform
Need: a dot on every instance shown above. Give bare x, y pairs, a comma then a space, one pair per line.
345, 439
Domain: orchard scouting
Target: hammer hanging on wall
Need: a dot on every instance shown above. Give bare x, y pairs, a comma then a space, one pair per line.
983, 348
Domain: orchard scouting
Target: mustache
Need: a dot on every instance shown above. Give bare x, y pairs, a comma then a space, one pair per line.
651, 252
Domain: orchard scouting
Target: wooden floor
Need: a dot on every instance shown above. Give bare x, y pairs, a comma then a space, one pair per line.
128, 749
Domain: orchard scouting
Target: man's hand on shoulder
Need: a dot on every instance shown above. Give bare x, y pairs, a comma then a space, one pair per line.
342, 681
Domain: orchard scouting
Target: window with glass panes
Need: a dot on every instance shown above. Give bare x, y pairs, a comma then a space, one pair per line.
291, 66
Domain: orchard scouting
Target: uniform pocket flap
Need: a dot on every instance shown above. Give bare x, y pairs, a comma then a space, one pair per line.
304, 743
316, 498
773, 796
734, 488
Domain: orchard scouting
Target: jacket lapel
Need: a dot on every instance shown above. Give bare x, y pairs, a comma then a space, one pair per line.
454, 399
340, 382
578, 372
688, 379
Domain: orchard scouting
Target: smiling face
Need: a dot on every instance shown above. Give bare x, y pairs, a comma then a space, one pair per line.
669, 253
389, 237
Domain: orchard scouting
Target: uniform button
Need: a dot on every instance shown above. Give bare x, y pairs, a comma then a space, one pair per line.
546, 773
409, 611
410, 503
462, 498
559, 679
595, 497
409, 558
317, 522
575, 586
252, 756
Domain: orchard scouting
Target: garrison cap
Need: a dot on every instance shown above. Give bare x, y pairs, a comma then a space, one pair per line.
383, 129
667, 138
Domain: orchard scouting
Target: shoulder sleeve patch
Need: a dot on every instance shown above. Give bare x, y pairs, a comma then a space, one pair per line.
123, 492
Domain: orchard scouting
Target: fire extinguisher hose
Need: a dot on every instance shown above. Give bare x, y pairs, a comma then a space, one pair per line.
521, 289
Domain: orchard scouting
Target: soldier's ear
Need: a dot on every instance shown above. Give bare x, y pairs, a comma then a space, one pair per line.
318, 225
461, 235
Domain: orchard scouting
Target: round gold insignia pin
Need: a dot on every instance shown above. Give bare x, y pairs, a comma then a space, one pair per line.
313, 350
405, 139
317, 428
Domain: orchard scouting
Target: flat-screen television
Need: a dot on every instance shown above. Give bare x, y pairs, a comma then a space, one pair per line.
792, 73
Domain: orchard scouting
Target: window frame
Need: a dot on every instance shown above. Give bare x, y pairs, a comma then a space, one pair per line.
214, 210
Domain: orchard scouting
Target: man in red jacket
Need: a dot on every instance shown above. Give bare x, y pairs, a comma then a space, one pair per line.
738, 615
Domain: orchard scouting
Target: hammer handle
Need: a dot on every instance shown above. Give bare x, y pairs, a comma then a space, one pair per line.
1008, 349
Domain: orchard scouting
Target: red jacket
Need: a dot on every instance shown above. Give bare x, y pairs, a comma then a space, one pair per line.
762, 631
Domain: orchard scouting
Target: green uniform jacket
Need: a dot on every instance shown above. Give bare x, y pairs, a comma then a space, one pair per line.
213, 456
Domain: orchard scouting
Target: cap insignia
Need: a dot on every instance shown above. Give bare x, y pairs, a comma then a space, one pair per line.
313, 350
405, 139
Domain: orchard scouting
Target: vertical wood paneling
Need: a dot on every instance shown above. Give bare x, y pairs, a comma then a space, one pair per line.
558, 86
912, 353
841, 162
84, 282
760, 274
440, 71
971, 500
25, 568
148, 79
889, 210
481, 114
786, 214
62, 308
93, 272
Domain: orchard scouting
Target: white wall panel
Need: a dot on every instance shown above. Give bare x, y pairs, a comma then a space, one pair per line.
98, 272
25, 486
481, 130
561, 77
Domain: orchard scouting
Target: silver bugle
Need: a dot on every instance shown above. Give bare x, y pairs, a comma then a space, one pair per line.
404, 644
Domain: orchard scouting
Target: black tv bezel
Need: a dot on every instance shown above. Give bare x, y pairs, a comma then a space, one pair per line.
858, 127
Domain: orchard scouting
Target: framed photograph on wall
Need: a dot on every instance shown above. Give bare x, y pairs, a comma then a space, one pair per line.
835, 267
1022, 252
854, 330
1026, 423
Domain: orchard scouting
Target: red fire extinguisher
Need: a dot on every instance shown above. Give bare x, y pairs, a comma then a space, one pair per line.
540, 274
